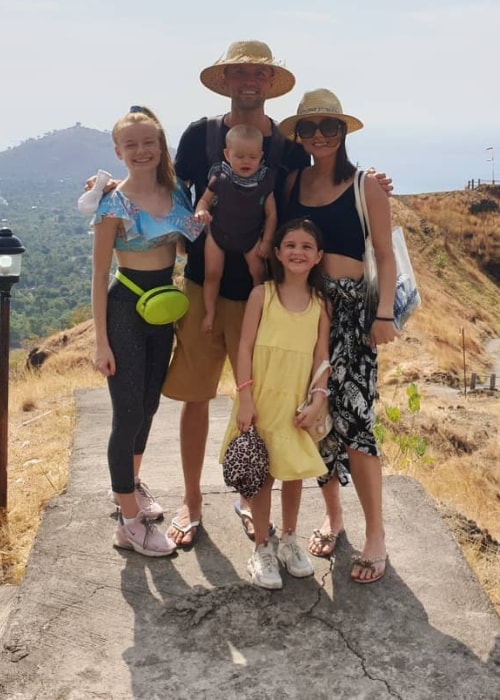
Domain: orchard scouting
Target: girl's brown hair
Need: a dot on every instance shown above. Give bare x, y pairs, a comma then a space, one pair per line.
165, 172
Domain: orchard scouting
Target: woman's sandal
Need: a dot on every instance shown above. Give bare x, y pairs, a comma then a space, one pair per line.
193, 527
359, 561
326, 540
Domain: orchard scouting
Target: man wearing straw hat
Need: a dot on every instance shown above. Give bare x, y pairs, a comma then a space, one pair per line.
248, 74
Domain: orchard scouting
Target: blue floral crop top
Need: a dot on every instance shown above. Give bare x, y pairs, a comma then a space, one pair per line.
139, 230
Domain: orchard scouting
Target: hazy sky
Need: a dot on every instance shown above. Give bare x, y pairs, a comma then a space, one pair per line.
420, 74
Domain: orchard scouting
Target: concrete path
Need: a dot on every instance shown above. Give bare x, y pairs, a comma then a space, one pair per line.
90, 621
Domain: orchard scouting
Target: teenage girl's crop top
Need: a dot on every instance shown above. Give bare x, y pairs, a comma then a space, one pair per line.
139, 230
338, 221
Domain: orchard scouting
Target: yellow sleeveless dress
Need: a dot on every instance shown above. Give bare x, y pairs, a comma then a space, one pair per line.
281, 372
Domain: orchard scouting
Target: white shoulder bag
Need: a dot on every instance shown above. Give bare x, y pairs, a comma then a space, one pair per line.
407, 297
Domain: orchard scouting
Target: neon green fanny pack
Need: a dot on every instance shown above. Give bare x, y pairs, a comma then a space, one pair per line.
157, 306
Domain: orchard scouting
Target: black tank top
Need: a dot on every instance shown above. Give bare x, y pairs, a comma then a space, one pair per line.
338, 221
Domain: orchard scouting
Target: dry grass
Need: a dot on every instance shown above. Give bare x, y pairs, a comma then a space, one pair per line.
459, 469
41, 426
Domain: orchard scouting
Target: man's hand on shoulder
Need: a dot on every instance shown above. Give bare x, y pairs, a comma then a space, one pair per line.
382, 179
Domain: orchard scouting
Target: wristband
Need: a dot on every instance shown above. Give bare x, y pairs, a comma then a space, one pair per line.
385, 318
243, 385
320, 390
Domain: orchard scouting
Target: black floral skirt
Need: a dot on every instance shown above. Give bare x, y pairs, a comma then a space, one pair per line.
353, 381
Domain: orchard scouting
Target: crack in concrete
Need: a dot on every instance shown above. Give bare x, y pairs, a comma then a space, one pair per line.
249, 597
310, 613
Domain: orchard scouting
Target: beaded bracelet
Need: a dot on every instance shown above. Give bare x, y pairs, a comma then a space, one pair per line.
385, 318
243, 385
320, 390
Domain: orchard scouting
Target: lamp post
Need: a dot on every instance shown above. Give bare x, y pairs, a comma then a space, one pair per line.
11, 250
491, 152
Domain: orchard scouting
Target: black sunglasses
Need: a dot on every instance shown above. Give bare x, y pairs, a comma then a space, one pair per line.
328, 128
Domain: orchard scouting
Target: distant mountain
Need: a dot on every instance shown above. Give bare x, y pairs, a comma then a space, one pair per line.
67, 154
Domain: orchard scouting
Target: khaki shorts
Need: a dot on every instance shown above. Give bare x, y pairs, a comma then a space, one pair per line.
198, 357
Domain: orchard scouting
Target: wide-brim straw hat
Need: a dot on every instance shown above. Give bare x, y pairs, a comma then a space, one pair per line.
318, 103
248, 53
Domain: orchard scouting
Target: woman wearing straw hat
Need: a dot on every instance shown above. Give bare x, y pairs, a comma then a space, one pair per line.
324, 193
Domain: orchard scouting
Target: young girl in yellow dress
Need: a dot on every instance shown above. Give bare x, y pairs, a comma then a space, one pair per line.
283, 341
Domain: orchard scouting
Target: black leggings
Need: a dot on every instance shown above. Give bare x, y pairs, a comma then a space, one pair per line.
142, 354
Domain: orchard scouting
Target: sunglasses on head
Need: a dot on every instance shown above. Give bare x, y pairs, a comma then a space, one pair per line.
328, 127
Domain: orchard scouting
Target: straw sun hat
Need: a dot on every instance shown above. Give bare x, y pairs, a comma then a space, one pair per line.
318, 103
247, 53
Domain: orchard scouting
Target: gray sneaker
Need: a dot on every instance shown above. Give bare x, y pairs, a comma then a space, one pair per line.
263, 567
296, 562
143, 536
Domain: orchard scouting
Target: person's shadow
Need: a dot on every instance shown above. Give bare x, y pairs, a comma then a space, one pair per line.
196, 614
201, 630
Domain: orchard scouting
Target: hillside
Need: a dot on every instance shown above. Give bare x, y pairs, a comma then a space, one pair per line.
67, 154
70, 154
455, 249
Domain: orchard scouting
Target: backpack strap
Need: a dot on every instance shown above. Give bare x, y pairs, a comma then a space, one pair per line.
215, 141
275, 156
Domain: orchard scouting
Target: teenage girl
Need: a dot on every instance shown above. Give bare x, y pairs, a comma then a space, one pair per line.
133, 224
284, 339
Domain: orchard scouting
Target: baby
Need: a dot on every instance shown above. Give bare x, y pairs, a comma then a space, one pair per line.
239, 211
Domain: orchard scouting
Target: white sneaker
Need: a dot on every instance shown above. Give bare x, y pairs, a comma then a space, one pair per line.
89, 201
296, 562
263, 567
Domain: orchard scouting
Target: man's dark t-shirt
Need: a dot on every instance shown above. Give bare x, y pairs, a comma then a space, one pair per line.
192, 166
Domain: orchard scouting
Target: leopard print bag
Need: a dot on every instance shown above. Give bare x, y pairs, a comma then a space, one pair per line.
246, 463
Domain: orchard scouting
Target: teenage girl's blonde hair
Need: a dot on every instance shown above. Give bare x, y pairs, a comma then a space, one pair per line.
165, 172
